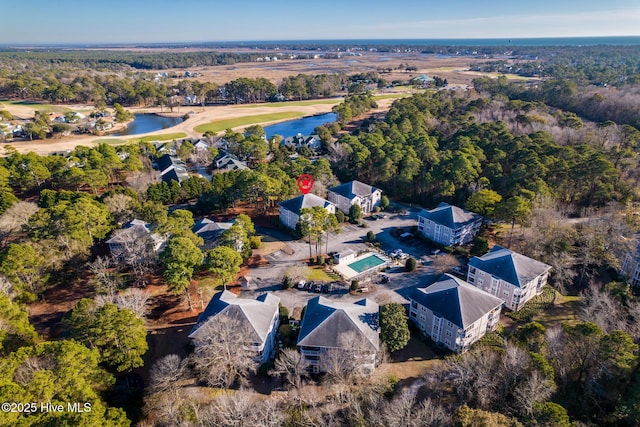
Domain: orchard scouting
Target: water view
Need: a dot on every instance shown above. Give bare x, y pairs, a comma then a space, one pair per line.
145, 123
305, 125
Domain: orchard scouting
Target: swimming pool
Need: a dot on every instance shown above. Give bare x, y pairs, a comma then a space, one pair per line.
366, 263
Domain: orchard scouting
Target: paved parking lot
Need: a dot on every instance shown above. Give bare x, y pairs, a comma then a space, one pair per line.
400, 285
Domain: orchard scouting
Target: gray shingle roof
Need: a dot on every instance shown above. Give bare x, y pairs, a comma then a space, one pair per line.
325, 321
353, 189
305, 201
450, 216
132, 231
456, 300
509, 266
256, 314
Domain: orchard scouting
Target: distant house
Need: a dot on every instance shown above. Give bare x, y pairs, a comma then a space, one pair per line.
449, 225
290, 209
172, 169
355, 193
454, 313
260, 316
508, 275
226, 162
135, 239
164, 148
312, 142
201, 145
327, 324
631, 267
423, 80
210, 231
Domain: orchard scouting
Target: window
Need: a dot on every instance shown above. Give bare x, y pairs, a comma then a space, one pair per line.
414, 304
472, 270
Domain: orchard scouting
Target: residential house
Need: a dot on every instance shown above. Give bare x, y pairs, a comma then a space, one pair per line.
631, 267
290, 209
172, 169
449, 225
331, 325
508, 275
210, 231
226, 162
454, 313
201, 145
355, 193
260, 316
312, 142
135, 239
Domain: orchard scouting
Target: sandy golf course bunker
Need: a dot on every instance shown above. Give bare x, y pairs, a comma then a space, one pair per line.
363, 264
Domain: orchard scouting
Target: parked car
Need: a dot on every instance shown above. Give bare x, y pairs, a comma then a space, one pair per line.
384, 279
301, 284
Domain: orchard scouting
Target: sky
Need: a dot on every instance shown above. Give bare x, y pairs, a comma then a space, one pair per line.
148, 21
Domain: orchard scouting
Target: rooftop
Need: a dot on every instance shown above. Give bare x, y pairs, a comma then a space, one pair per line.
509, 266
456, 300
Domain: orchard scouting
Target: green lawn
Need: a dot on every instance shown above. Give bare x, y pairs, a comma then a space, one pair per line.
220, 125
318, 274
334, 101
46, 108
163, 137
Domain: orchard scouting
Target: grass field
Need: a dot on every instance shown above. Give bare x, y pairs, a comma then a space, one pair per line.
46, 108
318, 274
112, 141
334, 101
220, 125
160, 137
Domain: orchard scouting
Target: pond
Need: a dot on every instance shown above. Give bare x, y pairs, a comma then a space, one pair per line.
305, 125
145, 123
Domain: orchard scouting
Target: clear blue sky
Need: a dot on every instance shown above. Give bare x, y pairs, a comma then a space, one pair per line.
121, 21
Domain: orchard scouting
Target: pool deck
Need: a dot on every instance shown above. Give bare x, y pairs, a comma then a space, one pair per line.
348, 273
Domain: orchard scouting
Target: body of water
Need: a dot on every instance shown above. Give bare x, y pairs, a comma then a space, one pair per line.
145, 123
305, 125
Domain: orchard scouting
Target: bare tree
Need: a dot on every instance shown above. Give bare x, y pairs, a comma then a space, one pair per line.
222, 354
405, 410
107, 281
534, 389
120, 206
140, 181
601, 308
166, 375
12, 220
136, 300
7, 288
138, 254
243, 409
348, 362
292, 366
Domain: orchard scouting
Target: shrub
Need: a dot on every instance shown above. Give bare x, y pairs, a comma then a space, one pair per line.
283, 311
411, 264
255, 242
371, 236
384, 202
340, 216
355, 285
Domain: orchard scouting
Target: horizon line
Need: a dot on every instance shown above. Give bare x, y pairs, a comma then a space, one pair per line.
300, 41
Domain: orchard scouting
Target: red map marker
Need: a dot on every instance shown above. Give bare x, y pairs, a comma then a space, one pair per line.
305, 183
